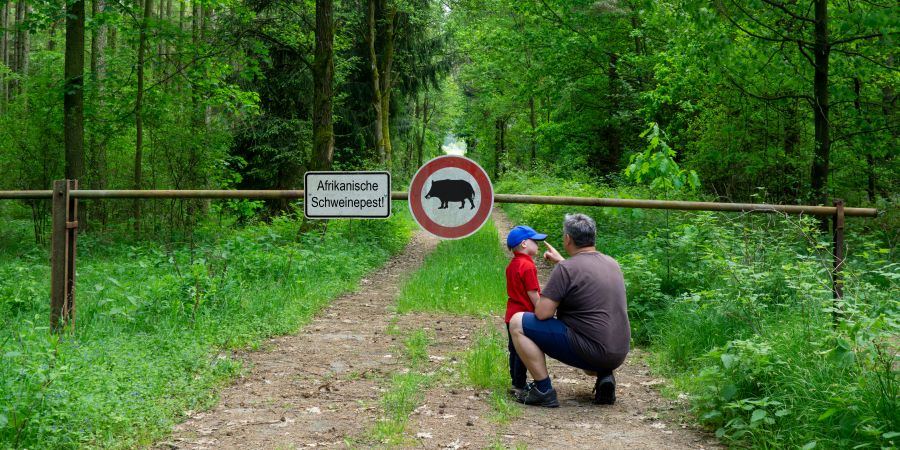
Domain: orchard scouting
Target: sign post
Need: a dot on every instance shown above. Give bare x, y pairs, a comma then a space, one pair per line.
344, 195
451, 197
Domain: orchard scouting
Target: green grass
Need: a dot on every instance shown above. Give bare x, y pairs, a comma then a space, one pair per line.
156, 323
486, 365
737, 310
463, 276
405, 392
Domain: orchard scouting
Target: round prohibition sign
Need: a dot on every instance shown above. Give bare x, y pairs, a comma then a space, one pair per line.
451, 197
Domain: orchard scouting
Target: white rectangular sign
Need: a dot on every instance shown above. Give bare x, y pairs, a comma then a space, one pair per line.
336, 195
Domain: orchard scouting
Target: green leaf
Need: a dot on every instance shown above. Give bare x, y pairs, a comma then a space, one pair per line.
728, 360
782, 412
888, 435
3, 421
758, 415
809, 445
729, 391
827, 414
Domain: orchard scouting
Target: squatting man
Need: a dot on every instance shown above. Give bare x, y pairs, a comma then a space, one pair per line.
586, 293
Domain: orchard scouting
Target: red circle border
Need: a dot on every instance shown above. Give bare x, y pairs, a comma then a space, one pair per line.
484, 207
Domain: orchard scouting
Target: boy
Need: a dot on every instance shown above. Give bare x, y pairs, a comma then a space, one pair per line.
522, 289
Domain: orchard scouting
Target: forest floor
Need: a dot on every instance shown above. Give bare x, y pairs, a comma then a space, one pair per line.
322, 386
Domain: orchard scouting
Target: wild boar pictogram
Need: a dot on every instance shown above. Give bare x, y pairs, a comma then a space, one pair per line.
452, 191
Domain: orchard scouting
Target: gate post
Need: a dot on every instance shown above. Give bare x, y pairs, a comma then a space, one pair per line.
64, 231
837, 283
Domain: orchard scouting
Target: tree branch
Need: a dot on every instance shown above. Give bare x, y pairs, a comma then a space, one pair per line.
766, 97
780, 38
857, 133
784, 8
805, 55
867, 58
855, 38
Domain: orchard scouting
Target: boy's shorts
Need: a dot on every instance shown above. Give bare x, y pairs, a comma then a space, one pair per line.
552, 337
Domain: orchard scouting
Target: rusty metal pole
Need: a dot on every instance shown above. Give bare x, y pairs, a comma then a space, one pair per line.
62, 255
837, 288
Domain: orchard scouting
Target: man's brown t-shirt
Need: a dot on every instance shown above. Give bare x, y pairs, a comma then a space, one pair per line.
590, 290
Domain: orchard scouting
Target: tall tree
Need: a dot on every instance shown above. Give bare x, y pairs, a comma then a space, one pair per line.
73, 94
138, 109
381, 40
4, 48
323, 86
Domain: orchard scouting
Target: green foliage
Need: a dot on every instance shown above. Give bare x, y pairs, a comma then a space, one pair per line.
463, 276
156, 324
656, 165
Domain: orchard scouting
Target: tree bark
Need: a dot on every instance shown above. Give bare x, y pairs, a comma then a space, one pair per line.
614, 140
376, 82
791, 141
499, 147
387, 60
97, 149
323, 86
4, 49
73, 94
533, 130
822, 50
420, 145
20, 65
138, 111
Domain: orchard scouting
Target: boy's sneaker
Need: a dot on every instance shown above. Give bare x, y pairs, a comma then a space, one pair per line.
532, 396
605, 390
516, 392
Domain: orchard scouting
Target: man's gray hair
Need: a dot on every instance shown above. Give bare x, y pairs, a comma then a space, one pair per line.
581, 228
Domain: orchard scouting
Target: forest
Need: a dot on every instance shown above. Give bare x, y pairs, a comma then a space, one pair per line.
763, 101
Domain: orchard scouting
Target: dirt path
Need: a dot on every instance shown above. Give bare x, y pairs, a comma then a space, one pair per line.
321, 387
640, 419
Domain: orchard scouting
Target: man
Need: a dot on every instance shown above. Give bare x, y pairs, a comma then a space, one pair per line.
591, 332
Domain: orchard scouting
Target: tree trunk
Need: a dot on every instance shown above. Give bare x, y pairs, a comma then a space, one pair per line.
819, 172
614, 141
21, 47
4, 50
138, 111
870, 160
499, 147
887, 108
420, 145
533, 130
387, 61
323, 86
97, 149
791, 141
73, 95
376, 82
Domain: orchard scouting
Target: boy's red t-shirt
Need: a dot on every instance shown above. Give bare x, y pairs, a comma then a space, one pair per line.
521, 277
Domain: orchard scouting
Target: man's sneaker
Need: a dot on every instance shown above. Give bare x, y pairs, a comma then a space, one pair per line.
605, 390
532, 396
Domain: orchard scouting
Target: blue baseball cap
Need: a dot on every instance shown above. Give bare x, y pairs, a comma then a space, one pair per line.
520, 233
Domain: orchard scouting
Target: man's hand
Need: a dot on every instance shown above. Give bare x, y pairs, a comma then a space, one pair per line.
551, 254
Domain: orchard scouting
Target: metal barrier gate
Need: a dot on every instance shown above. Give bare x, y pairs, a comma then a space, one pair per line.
65, 195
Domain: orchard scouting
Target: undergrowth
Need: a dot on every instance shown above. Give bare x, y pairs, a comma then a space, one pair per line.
156, 323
